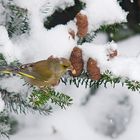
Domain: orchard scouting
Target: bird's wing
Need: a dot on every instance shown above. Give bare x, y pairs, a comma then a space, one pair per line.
38, 70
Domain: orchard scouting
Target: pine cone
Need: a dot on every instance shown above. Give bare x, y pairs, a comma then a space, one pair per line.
113, 54
77, 61
82, 24
72, 33
93, 70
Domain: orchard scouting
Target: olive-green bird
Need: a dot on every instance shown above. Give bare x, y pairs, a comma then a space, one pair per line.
45, 73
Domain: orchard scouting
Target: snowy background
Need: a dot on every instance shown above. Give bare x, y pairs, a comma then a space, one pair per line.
108, 114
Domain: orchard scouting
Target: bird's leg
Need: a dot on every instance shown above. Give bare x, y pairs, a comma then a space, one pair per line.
45, 89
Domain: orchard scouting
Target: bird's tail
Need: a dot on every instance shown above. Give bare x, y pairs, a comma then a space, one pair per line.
15, 71
9, 70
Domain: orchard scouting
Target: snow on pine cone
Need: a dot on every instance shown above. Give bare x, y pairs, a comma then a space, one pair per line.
82, 24
112, 53
93, 70
72, 33
77, 61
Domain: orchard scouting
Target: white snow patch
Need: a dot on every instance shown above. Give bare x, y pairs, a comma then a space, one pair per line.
14, 84
2, 104
7, 48
120, 65
130, 46
103, 12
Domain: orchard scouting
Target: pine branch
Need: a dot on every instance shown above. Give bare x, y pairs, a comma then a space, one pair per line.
4, 124
17, 103
63, 16
16, 19
41, 97
8, 124
2, 60
38, 99
106, 78
112, 28
81, 80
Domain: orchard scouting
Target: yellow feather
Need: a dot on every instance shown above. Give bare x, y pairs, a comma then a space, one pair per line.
19, 73
6, 72
27, 75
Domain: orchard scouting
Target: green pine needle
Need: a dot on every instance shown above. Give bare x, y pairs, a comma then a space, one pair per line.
106, 78
41, 97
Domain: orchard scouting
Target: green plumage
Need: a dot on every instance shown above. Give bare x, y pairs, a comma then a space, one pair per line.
45, 73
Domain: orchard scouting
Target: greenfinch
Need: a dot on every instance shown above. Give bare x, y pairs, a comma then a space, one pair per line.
44, 73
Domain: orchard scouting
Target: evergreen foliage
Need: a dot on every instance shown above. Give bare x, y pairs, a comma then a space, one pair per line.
16, 19
8, 124
63, 16
17, 23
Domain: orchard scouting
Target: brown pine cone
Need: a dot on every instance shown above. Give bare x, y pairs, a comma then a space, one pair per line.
77, 61
72, 33
113, 54
93, 70
82, 24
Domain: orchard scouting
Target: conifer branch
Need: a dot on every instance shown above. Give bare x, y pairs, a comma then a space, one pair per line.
16, 19
106, 78
4, 124
15, 102
41, 97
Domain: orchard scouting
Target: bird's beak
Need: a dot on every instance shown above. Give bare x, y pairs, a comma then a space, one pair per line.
73, 71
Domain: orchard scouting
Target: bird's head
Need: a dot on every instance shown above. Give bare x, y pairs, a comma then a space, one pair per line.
66, 65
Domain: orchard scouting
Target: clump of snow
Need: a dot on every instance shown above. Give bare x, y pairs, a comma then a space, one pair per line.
73, 125
131, 44
41, 45
47, 7
80, 122
10, 51
9, 85
103, 12
110, 111
100, 38
2, 14
120, 65
97, 52
61, 4
1, 104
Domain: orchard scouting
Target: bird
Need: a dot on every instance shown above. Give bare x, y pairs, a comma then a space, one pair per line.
44, 73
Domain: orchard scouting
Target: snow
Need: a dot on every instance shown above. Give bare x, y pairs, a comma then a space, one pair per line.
39, 46
56, 42
103, 12
100, 38
125, 66
9, 85
132, 43
78, 122
2, 19
1, 104
45, 7
86, 122
42, 43
82, 122
10, 51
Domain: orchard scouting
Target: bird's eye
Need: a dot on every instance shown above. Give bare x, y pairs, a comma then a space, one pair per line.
65, 66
